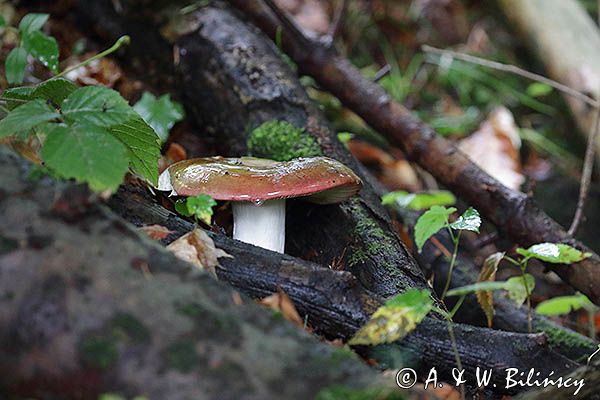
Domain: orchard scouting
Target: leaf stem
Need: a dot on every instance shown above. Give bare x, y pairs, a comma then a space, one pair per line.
122, 41
455, 240
529, 316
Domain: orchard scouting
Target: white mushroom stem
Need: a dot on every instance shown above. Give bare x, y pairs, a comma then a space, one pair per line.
261, 225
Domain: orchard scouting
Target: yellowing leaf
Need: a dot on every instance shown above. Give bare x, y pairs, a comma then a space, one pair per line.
197, 248
395, 319
485, 298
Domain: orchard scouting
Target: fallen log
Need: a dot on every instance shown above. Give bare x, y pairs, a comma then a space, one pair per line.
89, 306
512, 212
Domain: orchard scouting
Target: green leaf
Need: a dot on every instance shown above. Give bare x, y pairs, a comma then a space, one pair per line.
143, 146
2, 22
563, 305
160, 113
43, 48
96, 105
430, 223
477, 287
32, 22
469, 221
555, 253
17, 96
87, 153
419, 201
395, 319
15, 64
199, 207
56, 90
516, 287
538, 89
26, 116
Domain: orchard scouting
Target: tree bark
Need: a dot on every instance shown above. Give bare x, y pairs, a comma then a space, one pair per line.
512, 212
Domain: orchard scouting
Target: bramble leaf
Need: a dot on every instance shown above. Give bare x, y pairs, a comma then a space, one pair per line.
161, 114
555, 253
15, 64
143, 147
430, 223
395, 319
26, 116
17, 96
56, 90
419, 201
469, 221
32, 22
96, 105
87, 153
43, 48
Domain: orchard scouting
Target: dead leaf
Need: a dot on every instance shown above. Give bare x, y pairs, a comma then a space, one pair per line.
309, 14
488, 274
281, 302
495, 148
174, 153
156, 232
197, 248
103, 72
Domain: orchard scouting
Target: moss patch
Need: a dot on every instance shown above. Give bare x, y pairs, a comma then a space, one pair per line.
126, 326
281, 141
339, 392
561, 338
182, 355
99, 351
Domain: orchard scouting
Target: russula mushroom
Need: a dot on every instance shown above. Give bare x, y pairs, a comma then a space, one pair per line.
258, 188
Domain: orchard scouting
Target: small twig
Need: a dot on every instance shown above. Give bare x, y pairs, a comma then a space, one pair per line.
336, 23
586, 175
383, 71
514, 70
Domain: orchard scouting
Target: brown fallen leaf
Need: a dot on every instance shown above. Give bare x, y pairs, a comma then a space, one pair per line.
309, 14
156, 232
197, 248
175, 152
103, 72
495, 148
281, 302
488, 274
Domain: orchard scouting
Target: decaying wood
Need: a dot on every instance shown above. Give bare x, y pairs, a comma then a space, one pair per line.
512, 212
567, 41
89, 306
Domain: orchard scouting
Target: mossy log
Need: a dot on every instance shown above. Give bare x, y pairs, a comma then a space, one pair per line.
89, 306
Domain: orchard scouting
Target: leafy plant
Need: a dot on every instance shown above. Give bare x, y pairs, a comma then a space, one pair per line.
161, 114
395, 319
419, 201
89, 133
199, 207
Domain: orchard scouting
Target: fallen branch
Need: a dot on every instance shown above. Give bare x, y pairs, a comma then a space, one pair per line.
512, 212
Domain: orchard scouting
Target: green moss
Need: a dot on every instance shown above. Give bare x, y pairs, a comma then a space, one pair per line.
339, 392
182, 355
569, 341
128, 327
99, 351
281, 141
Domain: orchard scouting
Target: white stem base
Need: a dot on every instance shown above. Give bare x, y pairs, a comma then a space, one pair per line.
262, 226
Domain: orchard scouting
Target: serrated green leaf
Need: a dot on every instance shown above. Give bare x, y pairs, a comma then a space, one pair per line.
56, 90
555, 253
395, 319
32, 22
419, 201
43, 48
160, 113
15, 64
87, 153
26, 116
485, 298
98, 106
199, 207
517, 291
538, 89
143, 146
564, 305
17, 96
430, 223
469, 221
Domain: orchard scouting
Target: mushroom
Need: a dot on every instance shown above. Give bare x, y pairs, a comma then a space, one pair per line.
258, 188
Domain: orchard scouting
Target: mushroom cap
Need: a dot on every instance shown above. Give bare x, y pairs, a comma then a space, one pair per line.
320, 180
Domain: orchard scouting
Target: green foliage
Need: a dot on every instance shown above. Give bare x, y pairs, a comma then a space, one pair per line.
538, 89
161, 114
419, 201
515, 287
395, 319
555, 253
469, 221
15, 64
562, 305
430, 223
281, 141
90, 134
340, 392
200, 207
43, 48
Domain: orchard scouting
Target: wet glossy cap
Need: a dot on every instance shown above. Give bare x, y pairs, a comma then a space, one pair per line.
318, 179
